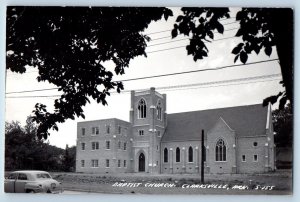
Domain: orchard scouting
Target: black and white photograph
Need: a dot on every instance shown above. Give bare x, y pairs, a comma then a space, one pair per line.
149, 100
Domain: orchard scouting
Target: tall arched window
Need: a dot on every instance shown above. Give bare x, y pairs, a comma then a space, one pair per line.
142, 109
158, 111
165, 155
220, 150
190, 154
177, 154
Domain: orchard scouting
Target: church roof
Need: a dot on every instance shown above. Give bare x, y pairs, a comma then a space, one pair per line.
244, 120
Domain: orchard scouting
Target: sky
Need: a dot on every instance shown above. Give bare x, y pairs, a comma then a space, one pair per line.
173, 60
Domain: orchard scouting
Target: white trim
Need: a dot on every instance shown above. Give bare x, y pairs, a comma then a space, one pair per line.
226, 123
268, 116
141, 125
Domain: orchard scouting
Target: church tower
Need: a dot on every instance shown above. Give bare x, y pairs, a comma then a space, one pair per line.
149, 119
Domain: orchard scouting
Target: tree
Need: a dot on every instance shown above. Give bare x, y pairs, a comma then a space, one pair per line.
68, 46
260, 28
283, 126
69, 159
23, 150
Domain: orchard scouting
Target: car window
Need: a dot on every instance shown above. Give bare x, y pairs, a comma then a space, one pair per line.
22, 176
43, 175
12, 176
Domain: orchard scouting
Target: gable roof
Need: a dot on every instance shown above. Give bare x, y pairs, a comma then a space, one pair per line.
247, 120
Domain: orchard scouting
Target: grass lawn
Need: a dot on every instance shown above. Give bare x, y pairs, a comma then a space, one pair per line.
276, 183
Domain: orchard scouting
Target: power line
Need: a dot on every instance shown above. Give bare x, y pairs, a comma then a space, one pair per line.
271, 77
216, 32
199, 70
27, 91
163, 75
28, 72
182, 40
213, 86
172, 29
176, 47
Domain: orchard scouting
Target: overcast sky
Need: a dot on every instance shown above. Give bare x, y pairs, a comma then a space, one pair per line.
157, 63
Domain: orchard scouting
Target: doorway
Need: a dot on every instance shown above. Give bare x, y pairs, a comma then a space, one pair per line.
141, 162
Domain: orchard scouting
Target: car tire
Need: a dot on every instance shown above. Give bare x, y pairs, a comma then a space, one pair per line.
30, 191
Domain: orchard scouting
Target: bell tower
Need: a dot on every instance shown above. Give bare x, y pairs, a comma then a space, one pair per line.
149, 119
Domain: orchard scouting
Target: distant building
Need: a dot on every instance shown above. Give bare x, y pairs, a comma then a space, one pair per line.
237, 140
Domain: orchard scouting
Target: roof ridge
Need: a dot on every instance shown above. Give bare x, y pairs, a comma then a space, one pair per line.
250, 105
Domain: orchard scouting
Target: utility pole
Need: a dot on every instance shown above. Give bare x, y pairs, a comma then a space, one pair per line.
202, 156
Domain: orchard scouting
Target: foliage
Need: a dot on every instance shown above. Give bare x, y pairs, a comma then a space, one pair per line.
69, 159
283, 126
260, 28
23, 150
68, 46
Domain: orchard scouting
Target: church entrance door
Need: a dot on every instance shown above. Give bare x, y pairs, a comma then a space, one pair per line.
141, 162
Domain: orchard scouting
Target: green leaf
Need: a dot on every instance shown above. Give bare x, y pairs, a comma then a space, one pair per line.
220, 27
174, 33
268, 50
236, 50
239, 33
179, 18
243, 57
236, 58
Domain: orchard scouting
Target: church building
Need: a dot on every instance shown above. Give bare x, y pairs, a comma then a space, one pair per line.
236, 140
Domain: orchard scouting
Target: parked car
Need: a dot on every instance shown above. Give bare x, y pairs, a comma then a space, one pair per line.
31, 181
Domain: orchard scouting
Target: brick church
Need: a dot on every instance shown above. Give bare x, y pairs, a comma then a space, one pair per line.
237, 140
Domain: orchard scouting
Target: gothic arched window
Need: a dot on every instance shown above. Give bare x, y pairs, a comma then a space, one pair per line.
177, 154
190, 153
220, 150
165, 155
158, 111
142, 109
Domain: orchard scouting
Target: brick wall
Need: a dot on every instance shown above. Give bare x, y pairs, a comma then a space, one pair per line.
183, 166
114, 154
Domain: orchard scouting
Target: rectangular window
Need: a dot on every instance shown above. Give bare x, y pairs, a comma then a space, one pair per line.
158, 134
107, 163
125, 146
107, 129
95, 130
22, 176
82, 163
255, 158
82, 146
141, 132
125, 163
119, 145
95, 163
95, 145
156, 163
107, 144
243, 158
119, 129
119, 163
83, 131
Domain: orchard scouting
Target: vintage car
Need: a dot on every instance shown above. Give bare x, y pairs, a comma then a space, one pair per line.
31, 181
